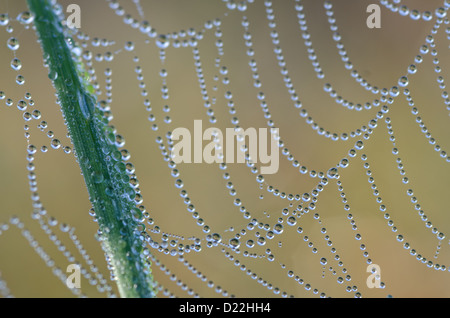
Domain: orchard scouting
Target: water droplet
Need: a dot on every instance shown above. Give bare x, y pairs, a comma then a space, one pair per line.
137, 215
403, 81
412, 69
441, 13
179, 183
332, 173
16, 64
27, 116
20, 80
235, 243
25, 17
344, 163
4, 19
52, 75
97, 177
278, 228
162, 42
291, 221
216, 238
109, 56
36, 114
306, 197
13, 44
56, 144
129, 46
22, 105
359, 145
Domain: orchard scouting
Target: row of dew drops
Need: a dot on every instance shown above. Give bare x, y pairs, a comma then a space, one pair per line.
213, 239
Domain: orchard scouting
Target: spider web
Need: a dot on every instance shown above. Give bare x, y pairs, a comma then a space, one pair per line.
362, 119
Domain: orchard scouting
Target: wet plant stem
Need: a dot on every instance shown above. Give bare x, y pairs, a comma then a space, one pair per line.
106, 175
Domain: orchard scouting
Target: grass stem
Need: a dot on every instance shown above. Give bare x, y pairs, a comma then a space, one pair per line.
105, 173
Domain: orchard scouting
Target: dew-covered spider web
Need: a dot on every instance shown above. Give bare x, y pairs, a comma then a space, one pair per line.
358, 207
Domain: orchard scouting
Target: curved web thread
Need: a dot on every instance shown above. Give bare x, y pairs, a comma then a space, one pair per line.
92, 275
4, 290
267, 3
158, 239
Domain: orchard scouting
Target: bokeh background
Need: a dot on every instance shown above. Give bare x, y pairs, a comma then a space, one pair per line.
380, 55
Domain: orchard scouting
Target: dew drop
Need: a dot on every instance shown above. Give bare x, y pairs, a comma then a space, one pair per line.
25, 17
56, 144
291, 221
403, 81
306, 197
20, 80
97, 177
359, 145
27, 117
52, 75
4, 19
216, 238
16, 64
278, 228
13, 44
129, 46
412, 69
179, 183
332, 173
137, 215
235, 243
162, 42
22, 105
344, 163
441, 13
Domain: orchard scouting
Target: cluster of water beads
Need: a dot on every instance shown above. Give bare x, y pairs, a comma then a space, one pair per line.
331, 173
402, 83
431, 140
93, 276
414, 14
55, 143
235, 242
400, 237
32, 152
323, 261
410, 192
24, 106
173, 277
4, 290
39, 250
292, 91
215, 238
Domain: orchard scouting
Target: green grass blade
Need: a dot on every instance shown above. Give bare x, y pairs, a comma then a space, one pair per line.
100, 160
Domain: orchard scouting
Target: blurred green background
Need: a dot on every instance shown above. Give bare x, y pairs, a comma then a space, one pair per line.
380, 55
